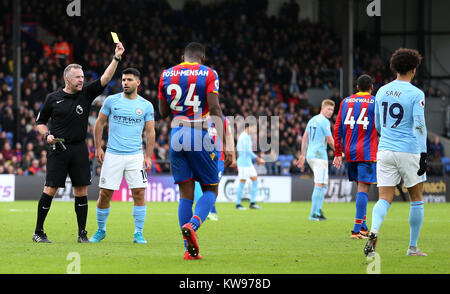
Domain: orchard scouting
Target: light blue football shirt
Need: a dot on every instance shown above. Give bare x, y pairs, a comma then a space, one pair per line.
127, 119
318, 129
244, 150
399, 111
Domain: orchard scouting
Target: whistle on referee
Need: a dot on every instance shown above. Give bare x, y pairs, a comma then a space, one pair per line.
60, 143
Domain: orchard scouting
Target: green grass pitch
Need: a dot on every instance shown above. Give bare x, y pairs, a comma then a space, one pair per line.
279, 239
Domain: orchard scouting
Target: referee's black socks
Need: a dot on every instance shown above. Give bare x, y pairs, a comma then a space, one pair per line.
81, 209
43, 207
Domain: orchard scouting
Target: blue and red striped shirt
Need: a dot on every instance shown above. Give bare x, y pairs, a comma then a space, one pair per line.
354, 131
185, 87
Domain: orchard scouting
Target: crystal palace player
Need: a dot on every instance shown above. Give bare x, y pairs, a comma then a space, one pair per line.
189, 91
355, 132
402, 150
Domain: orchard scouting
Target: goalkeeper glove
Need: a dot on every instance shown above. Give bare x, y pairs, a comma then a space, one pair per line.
422, 164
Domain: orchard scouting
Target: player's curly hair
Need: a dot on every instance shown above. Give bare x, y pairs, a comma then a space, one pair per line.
403, 60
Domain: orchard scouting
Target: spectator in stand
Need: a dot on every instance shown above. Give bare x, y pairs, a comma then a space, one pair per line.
26, 162
435, 154
7, 152
61, 49
259, 75
34, 168
436, 149
18, 151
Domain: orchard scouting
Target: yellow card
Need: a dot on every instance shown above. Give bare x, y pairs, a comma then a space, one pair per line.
115, 37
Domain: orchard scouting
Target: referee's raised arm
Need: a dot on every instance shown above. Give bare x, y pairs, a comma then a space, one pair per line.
111, 69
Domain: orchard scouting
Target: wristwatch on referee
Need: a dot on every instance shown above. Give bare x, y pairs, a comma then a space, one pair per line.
117, 59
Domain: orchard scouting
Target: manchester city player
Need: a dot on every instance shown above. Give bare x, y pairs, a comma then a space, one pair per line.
402, 150
314, 150
127, 114
246, 170
190, 91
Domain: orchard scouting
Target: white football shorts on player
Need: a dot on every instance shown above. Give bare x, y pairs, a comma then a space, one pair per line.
115, 166
393, 166
320, 170
246, 172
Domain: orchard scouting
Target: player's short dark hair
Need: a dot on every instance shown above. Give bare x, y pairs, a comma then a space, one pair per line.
194, 50
403, 60
364, 82
132, 71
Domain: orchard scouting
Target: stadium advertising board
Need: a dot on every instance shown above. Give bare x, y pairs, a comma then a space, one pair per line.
7, 188
341, 190
270, 189
159, 189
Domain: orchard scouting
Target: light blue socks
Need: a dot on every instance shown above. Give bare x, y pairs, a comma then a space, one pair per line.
378, 214
316, 199
102, 217
415, 221
253, 191
139, 213
239, 192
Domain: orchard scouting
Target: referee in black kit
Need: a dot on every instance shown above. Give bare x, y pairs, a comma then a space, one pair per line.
68, 110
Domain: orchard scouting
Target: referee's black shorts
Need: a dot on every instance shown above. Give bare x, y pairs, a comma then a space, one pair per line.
74, 161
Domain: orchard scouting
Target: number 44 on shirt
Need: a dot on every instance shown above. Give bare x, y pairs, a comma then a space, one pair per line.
362, 119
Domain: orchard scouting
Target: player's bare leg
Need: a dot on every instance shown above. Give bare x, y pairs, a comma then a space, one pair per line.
415, 219
139, 213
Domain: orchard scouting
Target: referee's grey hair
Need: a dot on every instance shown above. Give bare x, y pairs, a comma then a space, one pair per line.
69, 67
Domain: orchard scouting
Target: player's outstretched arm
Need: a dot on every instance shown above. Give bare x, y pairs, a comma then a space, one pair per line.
111, 69
98, 130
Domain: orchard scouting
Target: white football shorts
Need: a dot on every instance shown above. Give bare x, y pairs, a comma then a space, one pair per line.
393, 166
246, 172
115, 166
320, 170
